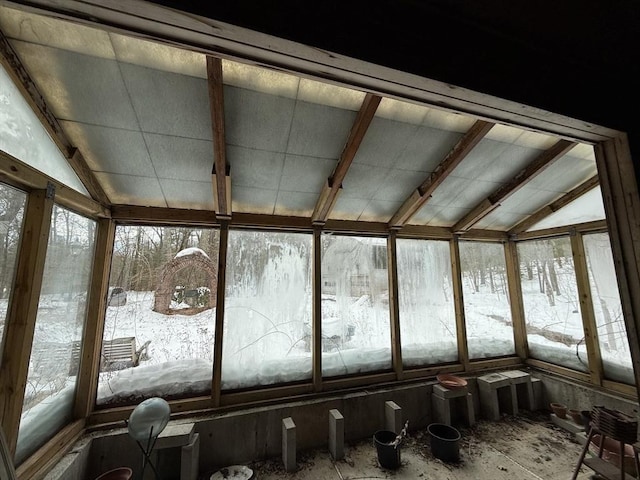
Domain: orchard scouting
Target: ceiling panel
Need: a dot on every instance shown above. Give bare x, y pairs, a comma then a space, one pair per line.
586, 208
438, 216
384, 140
347, 208
253, 200
180, 158
305, 174
330, 95
186, 194
255, 168
502, 221
462, 192
565, 174
379, 210
426, 149
169, 103
295, 203
78, 87
257, 120
362, 181
111, 150
259, 79
399, 185
132, 190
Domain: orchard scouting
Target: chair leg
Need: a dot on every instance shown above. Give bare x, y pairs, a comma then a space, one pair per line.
583, 454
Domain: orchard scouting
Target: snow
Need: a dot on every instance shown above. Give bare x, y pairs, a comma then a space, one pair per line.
191, 251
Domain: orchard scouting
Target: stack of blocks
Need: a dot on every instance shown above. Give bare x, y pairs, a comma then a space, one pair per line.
184, 437
506, 391
443, 399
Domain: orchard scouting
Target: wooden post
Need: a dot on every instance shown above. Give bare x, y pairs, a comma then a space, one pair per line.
22, 311
316, 330
216, 381
87, 381
515, 300
461, 326
394, 309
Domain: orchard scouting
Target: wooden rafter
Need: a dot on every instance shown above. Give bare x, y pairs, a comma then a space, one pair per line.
220, 172
332, 187
527, 174
10, 60
553, 207
458, 153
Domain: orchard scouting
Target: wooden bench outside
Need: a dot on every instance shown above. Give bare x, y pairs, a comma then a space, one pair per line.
116, 354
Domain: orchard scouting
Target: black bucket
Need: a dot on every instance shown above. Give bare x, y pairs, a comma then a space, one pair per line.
445, 442
388, 454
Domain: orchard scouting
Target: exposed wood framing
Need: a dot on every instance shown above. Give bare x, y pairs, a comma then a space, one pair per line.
586, 309
622, 206
553, 207
220, 172
394, 309
458, 301
477, 366
22, 311
332, 187
316, 353
628, 391
264, 396
357, 381
18, 173
458, 153
532, 170
595, 226
162, 216
563, 371
216, 380
515, 301
423, 372
10, 60
87, 382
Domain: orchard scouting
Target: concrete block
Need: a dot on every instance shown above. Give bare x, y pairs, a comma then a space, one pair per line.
393, 417
445, 409
523, 388
567, 424
289, 444
189, 459
177, 435
497, 394
444, 392
336, 434
536, 386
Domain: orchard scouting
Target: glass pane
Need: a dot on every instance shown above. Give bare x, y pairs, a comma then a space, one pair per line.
551, 304
12, 203
356, 328
55, 353
267, 328
160, 318
612, 332
425, 293
23, 136
487, 309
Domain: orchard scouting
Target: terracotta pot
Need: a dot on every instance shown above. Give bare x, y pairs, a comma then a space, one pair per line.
451, 381
559, 409
122, 473
576, 416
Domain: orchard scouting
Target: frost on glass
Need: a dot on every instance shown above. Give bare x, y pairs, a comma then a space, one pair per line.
425, 297
487, 309
23, 136
356, 330
55, 352
267, 327
12, 203
551, 304
612, 332
160, 302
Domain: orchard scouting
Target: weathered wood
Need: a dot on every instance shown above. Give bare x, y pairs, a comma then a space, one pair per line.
553, 207
162, 216
457, 154
586, 309
316, 353
216, 387
515, 301
220, 169
587, 227
87, 382
328, 196
22, 311
394, 308
458, 301
531, 171
557, 369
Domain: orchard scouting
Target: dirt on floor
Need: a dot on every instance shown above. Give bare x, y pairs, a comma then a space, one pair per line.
525, 447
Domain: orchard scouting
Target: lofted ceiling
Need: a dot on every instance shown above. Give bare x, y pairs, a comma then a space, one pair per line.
153, 122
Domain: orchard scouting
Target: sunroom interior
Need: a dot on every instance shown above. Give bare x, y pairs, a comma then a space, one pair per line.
257, 230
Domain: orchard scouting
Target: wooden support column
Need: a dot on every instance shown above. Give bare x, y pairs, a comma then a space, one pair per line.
87, 381
216, 387
394, 309
622, 206
515, 300
586, 309
316, 331
461, 325
22, 311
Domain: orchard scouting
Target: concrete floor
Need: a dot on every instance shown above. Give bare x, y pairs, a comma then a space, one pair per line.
520, 448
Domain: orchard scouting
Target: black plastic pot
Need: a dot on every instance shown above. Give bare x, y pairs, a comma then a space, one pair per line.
388, 454
445, 442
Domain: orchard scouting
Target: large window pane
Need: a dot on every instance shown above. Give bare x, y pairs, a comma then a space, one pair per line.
487, 309
55, 353
356, 330
551, 305
425, 292
612, 332
12, 203
161, 306
267, 328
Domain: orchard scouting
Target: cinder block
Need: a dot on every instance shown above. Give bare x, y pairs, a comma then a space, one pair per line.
189, 459
523, 388
537, 385
488, 386
336, 434
441, 408
289, 444
393, 417
444, 392
176, 435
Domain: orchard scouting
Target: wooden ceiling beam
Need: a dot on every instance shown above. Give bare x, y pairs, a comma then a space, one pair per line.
12, 64
547, 158
220, 171
458, 153
553, 207
332, 187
